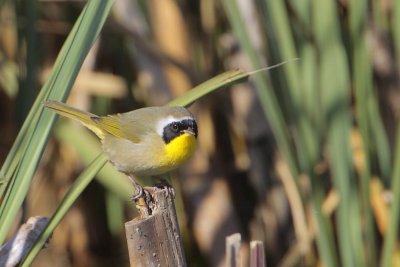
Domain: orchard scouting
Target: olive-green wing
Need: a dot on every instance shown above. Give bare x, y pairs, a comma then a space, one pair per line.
109, 125
119, 127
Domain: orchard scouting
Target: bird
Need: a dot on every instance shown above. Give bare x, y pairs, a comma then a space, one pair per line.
150, 141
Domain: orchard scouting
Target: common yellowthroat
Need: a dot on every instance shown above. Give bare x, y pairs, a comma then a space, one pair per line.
145, 142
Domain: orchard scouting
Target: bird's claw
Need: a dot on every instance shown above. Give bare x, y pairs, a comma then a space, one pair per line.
139, 191
164, 184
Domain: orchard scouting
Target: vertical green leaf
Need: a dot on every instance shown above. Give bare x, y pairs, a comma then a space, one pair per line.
25, 154
266, 95
393, 228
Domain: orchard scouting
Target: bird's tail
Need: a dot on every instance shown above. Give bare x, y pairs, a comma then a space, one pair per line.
86, 118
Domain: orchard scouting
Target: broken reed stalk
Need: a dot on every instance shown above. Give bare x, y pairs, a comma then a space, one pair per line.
154, 238
233, 243
257, 255
15, 250
233, 257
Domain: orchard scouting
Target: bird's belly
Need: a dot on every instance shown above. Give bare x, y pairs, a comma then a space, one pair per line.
129, 157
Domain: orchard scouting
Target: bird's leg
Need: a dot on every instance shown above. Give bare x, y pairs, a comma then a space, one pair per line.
143, 199
139, 189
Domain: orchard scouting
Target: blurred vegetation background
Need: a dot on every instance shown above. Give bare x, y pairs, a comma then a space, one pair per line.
305, 157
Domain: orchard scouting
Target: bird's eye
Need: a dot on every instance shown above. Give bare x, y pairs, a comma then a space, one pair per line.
175, 126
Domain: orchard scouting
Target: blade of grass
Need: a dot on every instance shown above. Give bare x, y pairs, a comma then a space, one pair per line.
62, 77
225, 79
38, 123
70, 197
311, 109
363, 81
307, 115
363, 94
311, 135
266, 95
308, 127
381, 144
306, 137
286, 46
336, 100
392, 231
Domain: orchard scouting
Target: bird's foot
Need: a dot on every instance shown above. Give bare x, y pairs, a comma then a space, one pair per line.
142, 199
164, 184
139, 191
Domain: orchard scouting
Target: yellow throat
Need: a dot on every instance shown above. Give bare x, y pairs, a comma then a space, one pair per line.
178, 151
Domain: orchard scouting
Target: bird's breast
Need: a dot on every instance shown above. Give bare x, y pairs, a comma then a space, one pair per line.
178, 151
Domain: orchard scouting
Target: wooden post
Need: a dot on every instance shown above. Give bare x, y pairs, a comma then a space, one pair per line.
153, 237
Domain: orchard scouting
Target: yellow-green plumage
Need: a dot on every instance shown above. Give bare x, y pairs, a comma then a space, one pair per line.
133, 141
